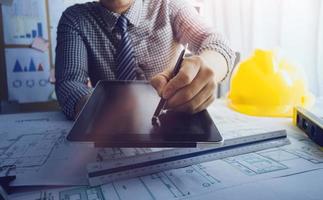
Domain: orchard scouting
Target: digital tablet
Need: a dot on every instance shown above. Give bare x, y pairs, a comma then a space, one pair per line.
119, 113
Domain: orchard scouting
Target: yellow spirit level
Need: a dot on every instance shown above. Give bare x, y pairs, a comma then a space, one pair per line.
311, 122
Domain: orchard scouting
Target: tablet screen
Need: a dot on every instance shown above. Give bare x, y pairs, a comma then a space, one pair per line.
119, 114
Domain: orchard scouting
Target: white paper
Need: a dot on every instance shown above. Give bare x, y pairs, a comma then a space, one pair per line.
28, 73
24, 20
232, 124
189, 182
272, 173
29, 140
36, 144
307, 185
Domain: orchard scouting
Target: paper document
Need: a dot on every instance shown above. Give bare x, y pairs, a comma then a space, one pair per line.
301, 186
229, 177
42, 147
195, 181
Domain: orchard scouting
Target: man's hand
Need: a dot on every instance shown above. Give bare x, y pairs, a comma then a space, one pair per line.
193, 88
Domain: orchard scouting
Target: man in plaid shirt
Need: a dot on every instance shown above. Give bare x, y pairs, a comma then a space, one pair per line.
90, 46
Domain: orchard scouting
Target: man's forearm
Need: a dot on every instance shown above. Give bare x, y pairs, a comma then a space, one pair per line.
218, 62
80, 104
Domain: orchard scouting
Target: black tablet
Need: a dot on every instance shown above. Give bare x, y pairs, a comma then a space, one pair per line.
119, 113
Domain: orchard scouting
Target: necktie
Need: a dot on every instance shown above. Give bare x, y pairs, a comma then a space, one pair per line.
126, 65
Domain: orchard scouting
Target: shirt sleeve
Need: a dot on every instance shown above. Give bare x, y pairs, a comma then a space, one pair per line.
190, 28
71, 65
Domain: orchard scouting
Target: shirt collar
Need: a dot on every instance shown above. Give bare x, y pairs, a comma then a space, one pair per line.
133, 14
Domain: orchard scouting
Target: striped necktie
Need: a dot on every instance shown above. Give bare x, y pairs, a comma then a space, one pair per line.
126, 65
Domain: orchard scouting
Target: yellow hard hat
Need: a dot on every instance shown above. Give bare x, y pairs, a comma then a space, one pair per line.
264, 86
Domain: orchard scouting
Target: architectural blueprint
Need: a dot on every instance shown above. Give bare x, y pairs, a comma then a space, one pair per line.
194, 181
42, 146
29, 149
55, 162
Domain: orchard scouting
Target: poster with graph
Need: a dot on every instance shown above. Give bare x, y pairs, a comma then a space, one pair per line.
28, 74
23, 21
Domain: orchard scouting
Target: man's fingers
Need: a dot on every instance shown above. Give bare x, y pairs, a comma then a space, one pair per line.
206, 104
187, 93
185, 76
199, 100
191, 90
160, 81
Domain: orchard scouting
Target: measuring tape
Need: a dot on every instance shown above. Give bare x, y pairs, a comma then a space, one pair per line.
140, 165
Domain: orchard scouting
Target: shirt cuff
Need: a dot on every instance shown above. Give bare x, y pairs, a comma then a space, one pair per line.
220, 46
73, 99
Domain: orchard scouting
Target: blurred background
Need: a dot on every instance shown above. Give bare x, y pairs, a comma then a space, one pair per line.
292, 28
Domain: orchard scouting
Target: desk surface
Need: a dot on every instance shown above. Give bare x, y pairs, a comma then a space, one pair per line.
289, 172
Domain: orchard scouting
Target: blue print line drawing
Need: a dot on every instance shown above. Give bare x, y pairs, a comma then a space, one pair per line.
253, 164
32, 67
30, 151
82, 193
307, 151
38, 32
163, 185
209, 179
272, 160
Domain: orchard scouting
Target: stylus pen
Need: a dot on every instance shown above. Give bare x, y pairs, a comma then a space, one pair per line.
162, 102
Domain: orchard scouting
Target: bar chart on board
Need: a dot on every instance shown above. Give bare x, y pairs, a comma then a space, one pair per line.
24, 21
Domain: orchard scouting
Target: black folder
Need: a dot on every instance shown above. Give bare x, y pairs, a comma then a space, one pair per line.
118, 114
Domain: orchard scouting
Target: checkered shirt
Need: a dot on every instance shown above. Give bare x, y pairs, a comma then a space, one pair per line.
87, 41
